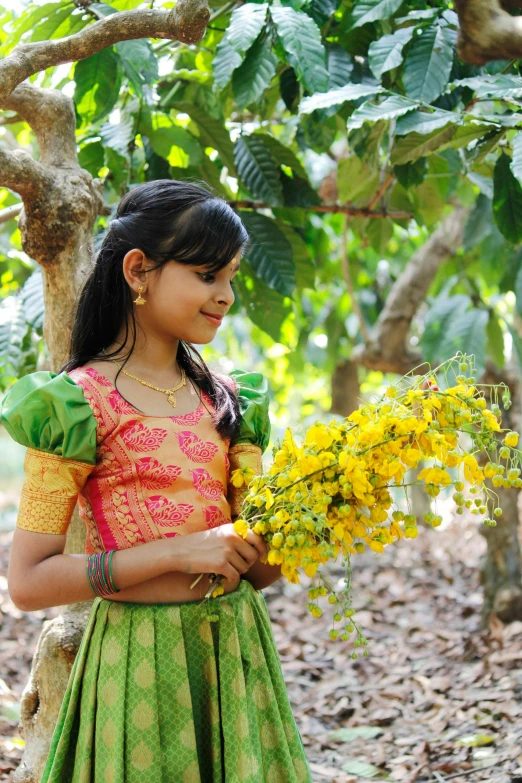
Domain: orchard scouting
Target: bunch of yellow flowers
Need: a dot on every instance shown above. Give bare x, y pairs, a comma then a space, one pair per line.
329, 496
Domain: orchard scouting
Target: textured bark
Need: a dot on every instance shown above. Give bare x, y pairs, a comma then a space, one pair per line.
488, 32
345, 388
387, 348
502, 566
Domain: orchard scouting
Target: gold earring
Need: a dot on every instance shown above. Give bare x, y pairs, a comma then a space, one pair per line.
140, 300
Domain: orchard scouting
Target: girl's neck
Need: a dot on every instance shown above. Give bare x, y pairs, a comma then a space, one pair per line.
154, 358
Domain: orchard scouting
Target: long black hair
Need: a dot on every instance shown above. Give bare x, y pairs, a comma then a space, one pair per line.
167, 220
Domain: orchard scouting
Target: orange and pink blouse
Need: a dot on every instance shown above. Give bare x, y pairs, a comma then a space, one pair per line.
136, 478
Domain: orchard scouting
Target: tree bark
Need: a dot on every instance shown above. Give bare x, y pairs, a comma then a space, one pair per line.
386, 347
345, 388
488, 32
501, 573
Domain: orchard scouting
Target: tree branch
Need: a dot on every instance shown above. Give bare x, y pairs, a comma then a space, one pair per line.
50, 113
22, 174
9, 213
387, 349
185, 22
334, 208
349, 282
487, 32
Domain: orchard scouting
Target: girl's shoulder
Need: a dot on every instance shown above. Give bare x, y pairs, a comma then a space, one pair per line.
253, 394
49, 412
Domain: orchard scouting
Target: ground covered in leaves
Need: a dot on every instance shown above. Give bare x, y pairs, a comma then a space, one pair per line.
437, 698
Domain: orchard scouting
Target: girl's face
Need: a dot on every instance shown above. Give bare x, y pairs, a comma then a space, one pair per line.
178, 296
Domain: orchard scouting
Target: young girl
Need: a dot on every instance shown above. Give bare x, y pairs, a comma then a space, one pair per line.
138, 430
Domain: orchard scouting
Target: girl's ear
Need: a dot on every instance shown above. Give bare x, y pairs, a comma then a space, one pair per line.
134, 264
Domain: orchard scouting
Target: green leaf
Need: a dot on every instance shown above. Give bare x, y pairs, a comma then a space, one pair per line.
349, 735
425, 122
372, 10
518, 291
90, 157
28, 21
254, 75
363, 769
139, 62
246, 23
411, 174
355, 180
258, 169
386, 52
118, 136
507, 200
298, 192
416, 16
283, 155
301, 39
33, 301
98, 82
265, 307
495, 340
47, 28
443, 310
416, 145
304, 263
340, 66
478, 224
170, 140
15, 346
503, 86
270, 254
322, 100
390, 108
468, 334
379, 232
427, 66
212, 132
516, 161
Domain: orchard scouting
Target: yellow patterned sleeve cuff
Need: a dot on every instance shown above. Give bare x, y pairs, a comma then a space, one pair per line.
242, 455
50, 491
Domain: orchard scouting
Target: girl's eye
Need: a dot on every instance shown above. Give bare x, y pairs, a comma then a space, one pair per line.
212, 278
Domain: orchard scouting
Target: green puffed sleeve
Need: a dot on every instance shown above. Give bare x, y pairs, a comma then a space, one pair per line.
48, 412
254, 401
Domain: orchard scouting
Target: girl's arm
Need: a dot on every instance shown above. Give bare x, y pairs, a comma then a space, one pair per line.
40, 575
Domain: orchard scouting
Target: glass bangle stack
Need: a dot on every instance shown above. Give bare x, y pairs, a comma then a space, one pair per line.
99, 573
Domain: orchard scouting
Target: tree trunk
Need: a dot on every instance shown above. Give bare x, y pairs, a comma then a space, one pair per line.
501, 573
345, 388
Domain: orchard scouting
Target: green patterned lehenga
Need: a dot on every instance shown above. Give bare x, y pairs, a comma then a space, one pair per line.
157, 693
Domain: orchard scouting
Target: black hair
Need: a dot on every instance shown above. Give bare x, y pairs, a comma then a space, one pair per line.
167, 220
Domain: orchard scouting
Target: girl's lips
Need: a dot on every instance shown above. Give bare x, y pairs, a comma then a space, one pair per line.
215, 321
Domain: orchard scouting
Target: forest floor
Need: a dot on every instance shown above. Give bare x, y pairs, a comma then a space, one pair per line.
437, 698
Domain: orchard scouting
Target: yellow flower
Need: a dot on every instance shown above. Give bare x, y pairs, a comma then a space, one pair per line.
241, 527
511, 439
275, 557
319, 435
218, 591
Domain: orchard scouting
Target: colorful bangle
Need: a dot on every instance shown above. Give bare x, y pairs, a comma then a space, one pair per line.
99, 573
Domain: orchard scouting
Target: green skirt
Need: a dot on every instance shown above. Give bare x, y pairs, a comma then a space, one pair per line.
157, 693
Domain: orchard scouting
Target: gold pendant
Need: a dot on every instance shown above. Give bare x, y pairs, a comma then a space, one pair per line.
172, 400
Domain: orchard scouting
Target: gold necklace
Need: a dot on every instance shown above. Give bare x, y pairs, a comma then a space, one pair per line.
168, 392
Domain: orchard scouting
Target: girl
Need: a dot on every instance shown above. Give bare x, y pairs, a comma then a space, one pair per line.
138, 430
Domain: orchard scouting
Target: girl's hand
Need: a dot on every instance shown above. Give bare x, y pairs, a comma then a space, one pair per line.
219, 551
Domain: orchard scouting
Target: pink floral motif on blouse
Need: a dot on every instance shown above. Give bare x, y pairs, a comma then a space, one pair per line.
98, 377
189, 419
139, 437
227, 465
154, 475
209, 488
164, 512
214, 517
194, 448
119, 404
